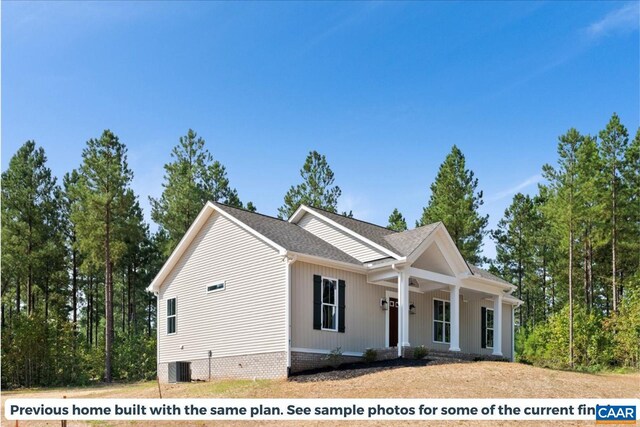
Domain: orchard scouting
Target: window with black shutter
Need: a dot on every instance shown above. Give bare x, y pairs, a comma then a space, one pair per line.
487, 327
328, 304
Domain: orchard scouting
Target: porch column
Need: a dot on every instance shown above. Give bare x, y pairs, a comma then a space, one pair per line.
454, 302
497, 325
403, 310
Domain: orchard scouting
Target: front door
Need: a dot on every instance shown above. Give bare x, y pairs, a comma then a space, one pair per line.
393, 322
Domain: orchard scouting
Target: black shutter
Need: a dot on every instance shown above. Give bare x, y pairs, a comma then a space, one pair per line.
483, 328
317, 301
341, 305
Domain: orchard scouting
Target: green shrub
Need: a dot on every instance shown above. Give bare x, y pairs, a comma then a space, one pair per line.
335, 357
420, 352
370, 355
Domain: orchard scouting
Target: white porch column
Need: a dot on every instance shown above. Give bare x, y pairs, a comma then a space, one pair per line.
497, 325
454, 301
403, 310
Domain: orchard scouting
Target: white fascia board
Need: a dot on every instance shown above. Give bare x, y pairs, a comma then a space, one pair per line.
486, 285
509, 299
328, 262
445, 243
191, 233
387, 264
295, 217
475, 277
433, 276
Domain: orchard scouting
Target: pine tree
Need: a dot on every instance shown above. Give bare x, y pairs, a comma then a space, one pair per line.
191, 179
100, 216
397, 221
563, 205
69, 200
613, 143
455, 202
316, 190
514, 239
631, 174
588, 167
27, 208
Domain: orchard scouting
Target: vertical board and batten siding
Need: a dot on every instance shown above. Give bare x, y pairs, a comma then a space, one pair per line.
340, 239
366, 322
247, 317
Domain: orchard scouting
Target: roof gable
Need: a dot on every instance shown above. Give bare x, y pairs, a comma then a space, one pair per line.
277, 233
366, 232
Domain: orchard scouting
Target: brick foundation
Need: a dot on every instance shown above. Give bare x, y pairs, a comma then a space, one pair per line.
306, 361
250, 366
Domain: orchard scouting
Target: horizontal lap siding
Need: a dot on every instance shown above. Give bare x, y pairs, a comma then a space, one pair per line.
248, 317
366, 323
364, 320
341, 240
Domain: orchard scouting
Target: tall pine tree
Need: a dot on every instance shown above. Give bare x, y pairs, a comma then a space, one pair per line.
28, 206
564, 205
397, 221
191, 179
514, 239
613, 143
455, 202
316, 190
104, 198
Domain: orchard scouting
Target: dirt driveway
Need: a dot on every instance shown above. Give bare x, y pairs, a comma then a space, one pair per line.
464, 380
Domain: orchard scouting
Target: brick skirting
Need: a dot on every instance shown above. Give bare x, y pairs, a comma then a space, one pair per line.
250, 366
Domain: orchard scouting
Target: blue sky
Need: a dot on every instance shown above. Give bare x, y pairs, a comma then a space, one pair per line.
382, 89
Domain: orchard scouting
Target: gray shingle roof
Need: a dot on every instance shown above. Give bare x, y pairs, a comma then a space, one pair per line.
373, 232
289, 236
296, 239
405, 242
477, 271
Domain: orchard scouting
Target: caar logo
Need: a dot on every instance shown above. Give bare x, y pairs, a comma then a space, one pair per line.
615, 414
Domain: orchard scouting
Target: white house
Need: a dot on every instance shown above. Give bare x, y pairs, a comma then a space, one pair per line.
251, 296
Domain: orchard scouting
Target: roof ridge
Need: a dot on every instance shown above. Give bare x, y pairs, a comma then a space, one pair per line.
414, 229
351, 218
248, 211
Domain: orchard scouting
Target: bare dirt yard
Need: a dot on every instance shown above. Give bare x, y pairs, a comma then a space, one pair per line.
460, 380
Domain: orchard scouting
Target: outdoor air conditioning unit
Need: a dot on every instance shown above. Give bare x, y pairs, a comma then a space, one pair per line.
179, 372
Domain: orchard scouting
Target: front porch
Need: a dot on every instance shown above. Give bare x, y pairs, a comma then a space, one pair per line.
447, 314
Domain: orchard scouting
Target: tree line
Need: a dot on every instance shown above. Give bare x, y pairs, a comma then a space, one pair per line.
77, 255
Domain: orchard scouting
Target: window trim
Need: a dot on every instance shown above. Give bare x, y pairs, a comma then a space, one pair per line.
175, 316
216, 283
335, 305
486, 327
444, 322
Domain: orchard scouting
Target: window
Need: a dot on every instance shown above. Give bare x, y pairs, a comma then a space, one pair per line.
171, 316
218, 286
488, 329
329, 304
441, 321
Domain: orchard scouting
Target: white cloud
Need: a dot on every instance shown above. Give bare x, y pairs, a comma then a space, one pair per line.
623, 19
513, 190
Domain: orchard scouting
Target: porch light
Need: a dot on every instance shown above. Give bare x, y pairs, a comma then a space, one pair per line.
412, 308
384, 304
